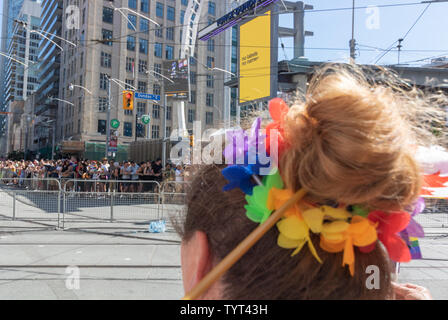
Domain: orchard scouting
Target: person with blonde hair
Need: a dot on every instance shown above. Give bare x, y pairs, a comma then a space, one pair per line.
338, 199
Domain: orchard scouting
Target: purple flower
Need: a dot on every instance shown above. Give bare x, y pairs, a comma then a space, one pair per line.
242, 145
414, 229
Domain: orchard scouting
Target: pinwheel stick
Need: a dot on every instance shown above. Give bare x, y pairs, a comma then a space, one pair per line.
242, 248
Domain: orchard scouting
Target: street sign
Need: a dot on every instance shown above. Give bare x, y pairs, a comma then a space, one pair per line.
146, 96
115, 124
146, 119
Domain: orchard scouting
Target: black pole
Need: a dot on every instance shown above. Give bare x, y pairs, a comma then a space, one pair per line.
136, 119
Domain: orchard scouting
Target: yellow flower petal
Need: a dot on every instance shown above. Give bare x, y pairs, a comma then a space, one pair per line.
331, 246
293, 228
287, 243
313, 250
335, 227
336, 237
314, 219
299, 247
339, 214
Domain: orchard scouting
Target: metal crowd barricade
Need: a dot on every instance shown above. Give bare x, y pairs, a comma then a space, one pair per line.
31, 199
110, 201
435, 214
173, 198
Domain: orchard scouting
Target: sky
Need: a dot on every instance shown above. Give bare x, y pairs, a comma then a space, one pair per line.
333, 29
380, 29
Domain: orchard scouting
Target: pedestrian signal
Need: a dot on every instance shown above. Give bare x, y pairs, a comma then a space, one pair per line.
128, 100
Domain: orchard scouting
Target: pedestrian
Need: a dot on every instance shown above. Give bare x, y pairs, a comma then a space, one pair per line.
346, 173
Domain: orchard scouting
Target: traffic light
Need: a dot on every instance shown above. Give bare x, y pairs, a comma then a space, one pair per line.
191, 141
128, 100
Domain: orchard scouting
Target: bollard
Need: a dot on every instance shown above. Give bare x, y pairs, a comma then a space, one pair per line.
112, 195
13, 206
59, 208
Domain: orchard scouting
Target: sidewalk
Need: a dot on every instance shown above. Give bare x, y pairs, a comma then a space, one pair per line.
432, 271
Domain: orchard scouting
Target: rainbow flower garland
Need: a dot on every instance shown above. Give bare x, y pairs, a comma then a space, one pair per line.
340, 229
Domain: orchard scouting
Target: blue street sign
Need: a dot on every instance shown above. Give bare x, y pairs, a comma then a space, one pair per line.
146, 96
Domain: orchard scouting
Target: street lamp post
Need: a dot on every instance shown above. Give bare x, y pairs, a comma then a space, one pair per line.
108, 121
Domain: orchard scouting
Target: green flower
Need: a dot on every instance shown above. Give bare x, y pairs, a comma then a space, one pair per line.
359, 210
256, 209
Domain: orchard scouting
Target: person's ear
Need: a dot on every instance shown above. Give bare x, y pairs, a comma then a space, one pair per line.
196, 260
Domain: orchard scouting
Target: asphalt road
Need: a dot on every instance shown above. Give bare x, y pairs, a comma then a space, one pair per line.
122, 260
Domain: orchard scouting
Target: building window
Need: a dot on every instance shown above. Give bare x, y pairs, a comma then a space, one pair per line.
209, 99
104, 81
170, 14
140, 130
211, 45
127, 129
108, 15
102, 104
170, 33
192, 77
130, 63
155, 132
141, 108
156, 111
210, 62
129, 84
143, 46
169, 52
157, 70
158, 49
132, 4
102, 126
142, 86
131, 43
193, 97
107, 35
210, 81
144, 6
182, 16
156, 89
209, 118
159, 10
144, 25
142, 66
211, 8
132, 22
158, 32
191, 115
168, 113
106, 60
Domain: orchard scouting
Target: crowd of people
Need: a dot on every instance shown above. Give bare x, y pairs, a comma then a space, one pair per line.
91, 175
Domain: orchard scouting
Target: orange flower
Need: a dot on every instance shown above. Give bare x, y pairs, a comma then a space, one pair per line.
342, 237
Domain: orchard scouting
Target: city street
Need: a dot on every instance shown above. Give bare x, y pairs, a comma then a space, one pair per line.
330, 118
115, 261
124, 261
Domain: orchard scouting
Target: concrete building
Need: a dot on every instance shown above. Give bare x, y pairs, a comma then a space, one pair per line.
21, 71
45, 109
11, 9
120, 40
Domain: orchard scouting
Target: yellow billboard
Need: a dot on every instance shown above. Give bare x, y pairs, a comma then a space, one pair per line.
255, 59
